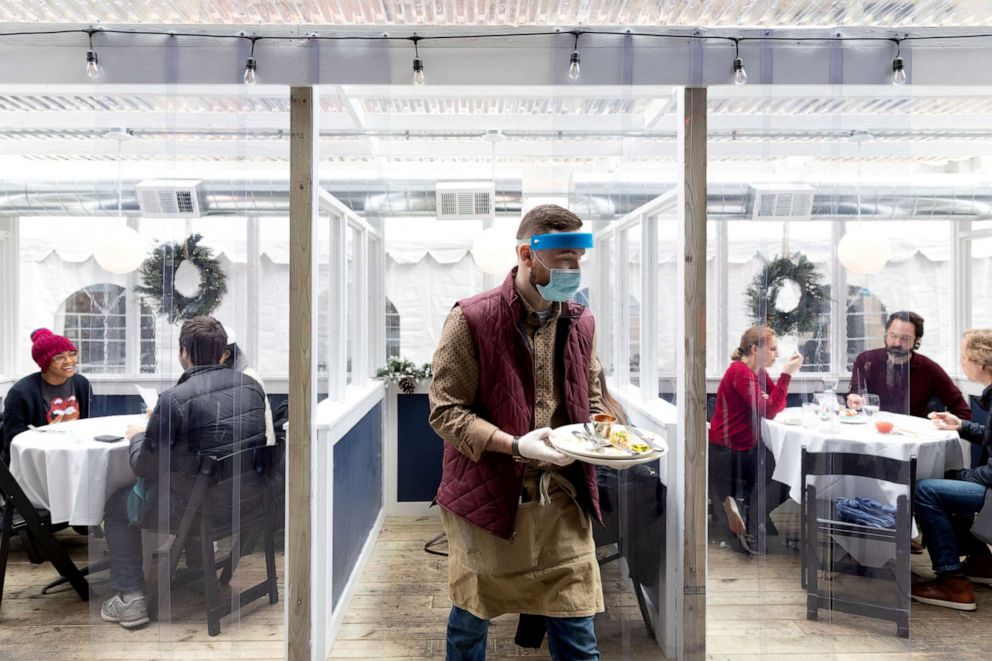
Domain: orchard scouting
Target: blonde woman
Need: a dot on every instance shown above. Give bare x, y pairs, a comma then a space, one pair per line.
944, 508
746, 395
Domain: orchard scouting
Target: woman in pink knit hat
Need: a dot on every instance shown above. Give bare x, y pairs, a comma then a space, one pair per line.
55, 394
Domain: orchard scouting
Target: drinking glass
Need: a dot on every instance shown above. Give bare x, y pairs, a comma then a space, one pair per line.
871, 405
811, 414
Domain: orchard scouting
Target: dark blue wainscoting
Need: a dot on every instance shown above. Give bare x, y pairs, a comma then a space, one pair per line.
419, 451
104, 405
357, 495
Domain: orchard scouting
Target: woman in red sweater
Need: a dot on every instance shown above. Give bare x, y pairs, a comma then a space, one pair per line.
740, 467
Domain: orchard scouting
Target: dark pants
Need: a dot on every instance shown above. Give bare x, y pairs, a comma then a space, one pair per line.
745, 475
124, 544
944, 511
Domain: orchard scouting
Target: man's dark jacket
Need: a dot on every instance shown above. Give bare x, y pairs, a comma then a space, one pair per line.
211, 410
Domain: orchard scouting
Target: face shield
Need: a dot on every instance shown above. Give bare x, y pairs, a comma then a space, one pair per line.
560, 253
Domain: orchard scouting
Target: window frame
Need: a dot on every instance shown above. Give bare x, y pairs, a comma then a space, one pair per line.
368, 294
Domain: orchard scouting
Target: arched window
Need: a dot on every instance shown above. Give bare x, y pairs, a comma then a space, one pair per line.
392, 331
95, 319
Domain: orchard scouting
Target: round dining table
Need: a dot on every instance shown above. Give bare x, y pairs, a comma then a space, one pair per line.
936, 450
62, 468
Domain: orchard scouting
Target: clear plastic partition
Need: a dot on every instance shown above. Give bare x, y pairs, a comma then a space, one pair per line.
840, 297
146, 454
448, 174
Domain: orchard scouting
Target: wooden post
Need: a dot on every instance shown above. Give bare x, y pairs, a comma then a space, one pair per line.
693, 377
302, 376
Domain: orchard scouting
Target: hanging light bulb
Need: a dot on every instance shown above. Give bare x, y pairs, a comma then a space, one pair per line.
418, 64
92, 60
250, 76
740, 75
898, 72
573, 61
251, 67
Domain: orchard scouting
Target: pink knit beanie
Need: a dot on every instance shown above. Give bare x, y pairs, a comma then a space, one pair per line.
45, 345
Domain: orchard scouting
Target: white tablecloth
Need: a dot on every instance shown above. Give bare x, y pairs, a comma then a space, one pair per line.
936, 451
70, 474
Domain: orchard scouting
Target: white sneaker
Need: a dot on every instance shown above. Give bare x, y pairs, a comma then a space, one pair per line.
128, 610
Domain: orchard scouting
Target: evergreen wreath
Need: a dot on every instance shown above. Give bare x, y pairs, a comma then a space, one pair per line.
767, 284
159, 270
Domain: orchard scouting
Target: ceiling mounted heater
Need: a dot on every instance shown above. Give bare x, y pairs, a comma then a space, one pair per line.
465, 200
781, 201
171, 199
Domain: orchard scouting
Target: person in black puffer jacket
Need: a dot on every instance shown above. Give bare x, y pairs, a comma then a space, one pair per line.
211, 410
945, 508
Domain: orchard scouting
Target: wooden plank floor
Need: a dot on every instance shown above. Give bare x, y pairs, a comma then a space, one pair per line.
400, 607
36, 627
756, 610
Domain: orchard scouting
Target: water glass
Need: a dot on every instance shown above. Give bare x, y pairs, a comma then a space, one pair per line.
871, 404
811, 414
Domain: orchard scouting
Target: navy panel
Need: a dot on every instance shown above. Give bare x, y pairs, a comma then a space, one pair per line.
104, 405
357, 495
419, 451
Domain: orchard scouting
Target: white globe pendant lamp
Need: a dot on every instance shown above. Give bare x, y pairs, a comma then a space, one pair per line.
494, 252
121, 251
864, 249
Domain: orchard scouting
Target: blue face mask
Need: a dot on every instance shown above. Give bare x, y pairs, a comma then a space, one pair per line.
563, 285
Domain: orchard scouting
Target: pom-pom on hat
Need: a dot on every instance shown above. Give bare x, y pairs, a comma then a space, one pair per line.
45, 345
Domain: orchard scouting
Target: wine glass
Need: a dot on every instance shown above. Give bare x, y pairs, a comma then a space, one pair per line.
870, 404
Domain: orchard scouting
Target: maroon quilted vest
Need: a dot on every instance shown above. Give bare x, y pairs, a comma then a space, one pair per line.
486, 493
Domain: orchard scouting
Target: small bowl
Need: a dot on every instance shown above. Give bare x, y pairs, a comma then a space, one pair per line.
602, 424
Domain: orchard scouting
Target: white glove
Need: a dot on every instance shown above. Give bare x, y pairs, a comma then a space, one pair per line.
534, 445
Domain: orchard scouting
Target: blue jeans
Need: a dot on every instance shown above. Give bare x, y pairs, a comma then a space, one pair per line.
569, 638
944, 512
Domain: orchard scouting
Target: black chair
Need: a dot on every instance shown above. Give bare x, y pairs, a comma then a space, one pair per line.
35, 528
632, 502
229, 498
821, 553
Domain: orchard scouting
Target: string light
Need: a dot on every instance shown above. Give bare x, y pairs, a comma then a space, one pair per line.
92, 60
740, 75
93, 69
251, 77
898, 68
418, 64
573, 61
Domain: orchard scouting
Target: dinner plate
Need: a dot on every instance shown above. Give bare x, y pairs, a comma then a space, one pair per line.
563, 440
854, 419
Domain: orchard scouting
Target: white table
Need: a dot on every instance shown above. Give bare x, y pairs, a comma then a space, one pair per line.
62, 469
936, 451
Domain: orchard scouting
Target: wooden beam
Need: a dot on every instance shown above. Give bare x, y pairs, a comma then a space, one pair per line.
693, 157
302, 375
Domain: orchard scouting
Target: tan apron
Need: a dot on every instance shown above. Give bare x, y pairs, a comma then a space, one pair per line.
548, 568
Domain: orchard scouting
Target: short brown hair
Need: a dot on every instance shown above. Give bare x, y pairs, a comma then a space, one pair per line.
204, 340
755, 336
911, 317
546, 218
